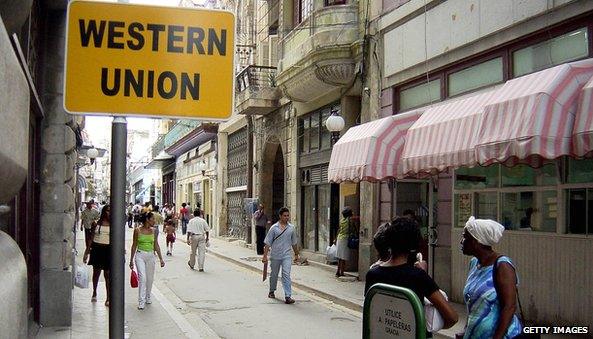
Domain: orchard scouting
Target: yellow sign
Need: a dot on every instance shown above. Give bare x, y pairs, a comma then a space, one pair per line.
132, 60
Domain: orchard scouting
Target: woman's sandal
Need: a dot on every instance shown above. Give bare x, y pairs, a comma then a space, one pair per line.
94, 299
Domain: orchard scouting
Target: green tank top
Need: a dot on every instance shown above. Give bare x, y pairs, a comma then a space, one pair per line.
145, 242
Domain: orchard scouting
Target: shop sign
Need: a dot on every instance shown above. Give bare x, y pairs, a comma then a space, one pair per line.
393, 312
136, 60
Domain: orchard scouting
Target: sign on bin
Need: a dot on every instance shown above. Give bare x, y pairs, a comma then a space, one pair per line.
393, 312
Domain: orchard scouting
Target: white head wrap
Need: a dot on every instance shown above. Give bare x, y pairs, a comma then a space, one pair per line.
485, 231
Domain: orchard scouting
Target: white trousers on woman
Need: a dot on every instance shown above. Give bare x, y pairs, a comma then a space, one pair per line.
145, 262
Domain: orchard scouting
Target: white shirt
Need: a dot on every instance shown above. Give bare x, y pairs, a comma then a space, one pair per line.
198, 226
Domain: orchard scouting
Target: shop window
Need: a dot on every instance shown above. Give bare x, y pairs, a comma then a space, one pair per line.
579, 218
420, 95
535, 211
463, 208
476, 177
580, 171
486, 205
564, 48
523, 175
481, 75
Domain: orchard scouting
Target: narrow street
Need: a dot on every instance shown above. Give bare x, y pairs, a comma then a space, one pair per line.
226, 301
233, 302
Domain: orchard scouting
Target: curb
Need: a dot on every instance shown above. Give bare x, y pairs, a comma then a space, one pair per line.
337, 300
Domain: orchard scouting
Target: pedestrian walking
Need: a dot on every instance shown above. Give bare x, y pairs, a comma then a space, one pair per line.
402, 236
198, 232
184, 214
170, 235
137, 210
144, 245
280, 238
261, 222
99, 250
347, 228
158, 219
490, 291
130, 214
88, 217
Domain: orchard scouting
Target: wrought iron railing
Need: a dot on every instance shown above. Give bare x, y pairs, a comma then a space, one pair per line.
256, 78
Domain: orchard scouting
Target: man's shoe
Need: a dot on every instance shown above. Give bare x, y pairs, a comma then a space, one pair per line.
148, 301
288, 300
271, 295
201, 270
140, 307
190, 266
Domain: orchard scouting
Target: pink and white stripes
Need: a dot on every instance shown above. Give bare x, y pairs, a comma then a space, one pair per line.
445, 136
371, 151
531, 118
582, 135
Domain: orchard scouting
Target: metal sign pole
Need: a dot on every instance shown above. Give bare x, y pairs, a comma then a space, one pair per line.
119, 129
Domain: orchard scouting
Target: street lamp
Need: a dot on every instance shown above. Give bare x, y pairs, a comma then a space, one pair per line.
92, 153
202, 167
335, 124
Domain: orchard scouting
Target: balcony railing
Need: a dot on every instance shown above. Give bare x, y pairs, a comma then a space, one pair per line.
256, 78
158, 146
179, 130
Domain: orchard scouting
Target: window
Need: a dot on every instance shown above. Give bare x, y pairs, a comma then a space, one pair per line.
567, 47
335, 2
420, 95
301, 10
477, 76
579, 216
519, 197
313, 135
579, 171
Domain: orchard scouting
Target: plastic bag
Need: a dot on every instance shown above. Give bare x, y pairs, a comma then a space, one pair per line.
331, 254
434, 320
82, 276
133, 279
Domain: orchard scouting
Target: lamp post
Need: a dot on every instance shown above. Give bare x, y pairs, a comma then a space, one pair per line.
92, 153
335, 124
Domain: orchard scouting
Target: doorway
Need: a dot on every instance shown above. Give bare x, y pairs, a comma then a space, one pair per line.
319, 215
277, 185
415, 198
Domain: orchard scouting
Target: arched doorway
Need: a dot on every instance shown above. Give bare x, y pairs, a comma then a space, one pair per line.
272, 178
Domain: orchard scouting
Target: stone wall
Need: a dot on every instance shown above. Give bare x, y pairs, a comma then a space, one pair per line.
58, 183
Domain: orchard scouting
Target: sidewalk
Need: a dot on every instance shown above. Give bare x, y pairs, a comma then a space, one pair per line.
315, 279
161, 319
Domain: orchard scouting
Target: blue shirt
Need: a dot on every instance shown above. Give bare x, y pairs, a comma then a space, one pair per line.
281, 246
482, 302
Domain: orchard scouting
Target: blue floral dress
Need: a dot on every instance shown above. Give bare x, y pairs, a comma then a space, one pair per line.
482, 302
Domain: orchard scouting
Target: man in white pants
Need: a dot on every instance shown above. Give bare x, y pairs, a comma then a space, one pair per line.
197, 237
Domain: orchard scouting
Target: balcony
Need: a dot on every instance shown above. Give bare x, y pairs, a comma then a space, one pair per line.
320, 54
256, 92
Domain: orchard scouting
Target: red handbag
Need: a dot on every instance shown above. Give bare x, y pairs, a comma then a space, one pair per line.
134, 279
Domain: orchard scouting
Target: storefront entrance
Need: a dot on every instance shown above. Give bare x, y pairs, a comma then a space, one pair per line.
414, 199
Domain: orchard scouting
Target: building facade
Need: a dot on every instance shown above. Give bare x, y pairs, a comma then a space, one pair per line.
461, 59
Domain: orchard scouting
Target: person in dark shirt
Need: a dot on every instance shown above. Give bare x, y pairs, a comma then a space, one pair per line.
403, 237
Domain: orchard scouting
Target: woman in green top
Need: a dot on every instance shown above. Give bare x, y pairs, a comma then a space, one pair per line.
343, 252
144, 245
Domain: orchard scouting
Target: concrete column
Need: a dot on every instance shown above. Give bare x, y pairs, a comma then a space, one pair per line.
58, 183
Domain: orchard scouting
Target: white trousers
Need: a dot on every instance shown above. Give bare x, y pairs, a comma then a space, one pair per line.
198, 242
145, 262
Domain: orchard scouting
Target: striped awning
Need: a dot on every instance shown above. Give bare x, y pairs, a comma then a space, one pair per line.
445, 136
582, 135
371, 151
531, 118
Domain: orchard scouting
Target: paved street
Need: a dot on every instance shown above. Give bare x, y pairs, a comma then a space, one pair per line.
226, 301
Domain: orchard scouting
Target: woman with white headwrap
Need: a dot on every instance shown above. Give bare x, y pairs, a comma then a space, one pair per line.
490, 293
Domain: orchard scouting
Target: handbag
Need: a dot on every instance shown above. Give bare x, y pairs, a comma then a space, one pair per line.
133, 279
353, 242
